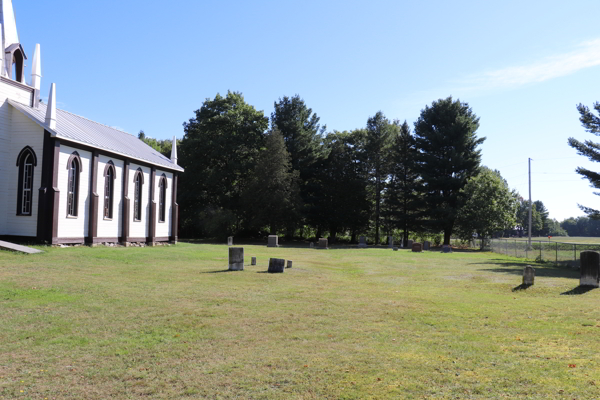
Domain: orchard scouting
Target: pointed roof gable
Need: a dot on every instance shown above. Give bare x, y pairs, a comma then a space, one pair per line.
9, 24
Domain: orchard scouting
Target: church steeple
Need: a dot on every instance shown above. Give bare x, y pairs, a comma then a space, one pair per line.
9, 24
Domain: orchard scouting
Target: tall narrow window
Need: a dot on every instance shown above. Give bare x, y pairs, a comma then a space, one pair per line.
26, 161
162, 198
109, 183
138, 180
74, 167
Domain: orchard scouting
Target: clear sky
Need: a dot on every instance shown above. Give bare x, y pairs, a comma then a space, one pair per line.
523, 66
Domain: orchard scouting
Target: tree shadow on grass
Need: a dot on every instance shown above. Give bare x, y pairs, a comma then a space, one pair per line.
516, 268
578, 290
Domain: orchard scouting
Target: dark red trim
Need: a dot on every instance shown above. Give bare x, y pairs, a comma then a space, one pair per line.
25, 151
79, 240
138, 240
126, 205
93, 207
152, 208
174, 211
49, 195
106, 240
108, 166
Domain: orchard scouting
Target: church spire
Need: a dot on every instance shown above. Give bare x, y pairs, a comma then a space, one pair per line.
9, 24
174, 151
51, 108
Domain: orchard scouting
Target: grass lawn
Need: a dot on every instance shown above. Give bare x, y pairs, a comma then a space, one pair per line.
171, 323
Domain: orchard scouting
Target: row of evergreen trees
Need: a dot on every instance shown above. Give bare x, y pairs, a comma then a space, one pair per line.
247, 174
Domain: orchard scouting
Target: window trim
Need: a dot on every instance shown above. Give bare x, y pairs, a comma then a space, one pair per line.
109, 169
74, 158
162, 192
138, 173
23, 156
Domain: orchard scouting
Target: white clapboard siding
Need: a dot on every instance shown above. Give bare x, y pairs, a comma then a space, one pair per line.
15, 93
139, 229
73, 227
5, 163
163, 229
23, 132
110, 228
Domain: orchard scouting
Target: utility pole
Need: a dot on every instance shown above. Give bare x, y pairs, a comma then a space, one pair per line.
530, 208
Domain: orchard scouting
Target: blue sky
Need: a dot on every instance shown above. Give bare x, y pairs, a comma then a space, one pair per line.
522, 66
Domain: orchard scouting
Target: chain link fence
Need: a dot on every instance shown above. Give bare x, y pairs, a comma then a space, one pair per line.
560, 253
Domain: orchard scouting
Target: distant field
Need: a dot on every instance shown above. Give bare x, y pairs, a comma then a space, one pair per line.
172, 323
564, 239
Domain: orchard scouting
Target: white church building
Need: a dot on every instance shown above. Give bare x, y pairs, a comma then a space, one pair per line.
67, 179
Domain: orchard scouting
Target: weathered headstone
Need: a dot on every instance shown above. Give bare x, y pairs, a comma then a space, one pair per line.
236, 258
590, 268
230, 241
276, 265
528, 275
253, 261
417, 247
322, 244
312, 245
273, 241
409, 244
446, 248
395, 249
362, 242
289, 264
426, 245
391, 242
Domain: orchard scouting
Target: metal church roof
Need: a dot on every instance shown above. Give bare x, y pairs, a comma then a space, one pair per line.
74, 128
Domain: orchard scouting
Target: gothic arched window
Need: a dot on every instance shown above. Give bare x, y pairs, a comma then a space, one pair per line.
109, 188
26, 161
138, 180
74, 167
162, 198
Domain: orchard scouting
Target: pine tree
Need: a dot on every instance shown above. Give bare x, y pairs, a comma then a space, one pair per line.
589, 149
448, 156
402, 198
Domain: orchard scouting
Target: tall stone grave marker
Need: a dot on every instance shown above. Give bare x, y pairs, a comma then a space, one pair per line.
289, 264
236, 258
528, 275
253, 261
362, 242
273, 241
322, 244
276, 265
446, 248
230, 241
590, 268
391, 242
426, 245
409, 244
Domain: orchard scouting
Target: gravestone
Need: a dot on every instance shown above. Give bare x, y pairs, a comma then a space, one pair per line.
590, 268
426, 245
446, 248
409, 244
528, 275
417, 247
402, 244
395, 249
253, 261
289, 264
236, 258
312, 245
391, 242
230, 241
276, 265
273, 241
322, 244
362, 242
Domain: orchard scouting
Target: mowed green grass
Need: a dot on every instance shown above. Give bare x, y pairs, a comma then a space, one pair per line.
170, 323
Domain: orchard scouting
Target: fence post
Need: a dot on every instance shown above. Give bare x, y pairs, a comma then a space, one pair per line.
541, 244
556, 254
506, 248
516, 248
